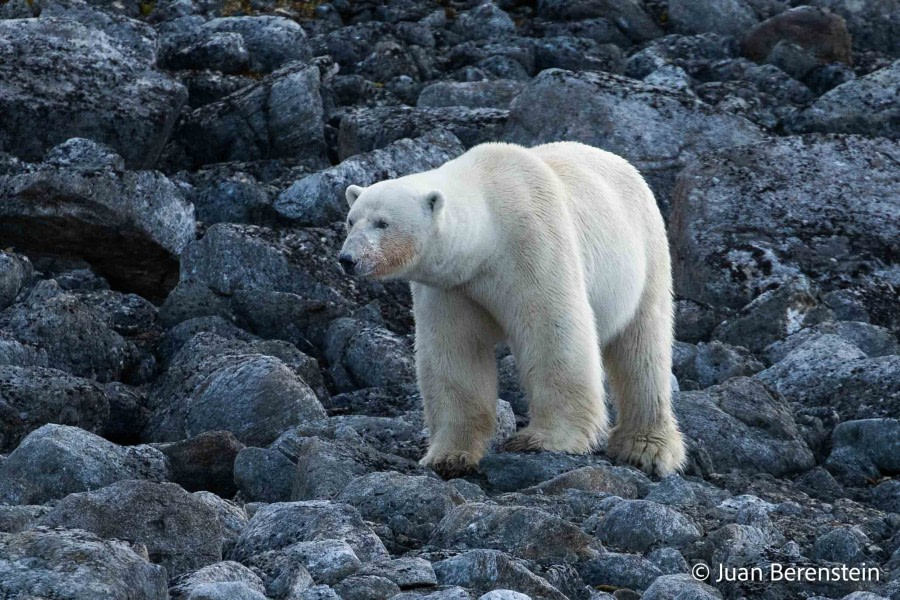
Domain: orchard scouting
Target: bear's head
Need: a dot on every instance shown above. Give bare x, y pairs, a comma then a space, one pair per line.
389, 227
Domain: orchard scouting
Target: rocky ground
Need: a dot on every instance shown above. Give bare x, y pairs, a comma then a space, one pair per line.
195, 403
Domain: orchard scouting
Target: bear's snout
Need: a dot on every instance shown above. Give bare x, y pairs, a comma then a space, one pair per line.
348, 263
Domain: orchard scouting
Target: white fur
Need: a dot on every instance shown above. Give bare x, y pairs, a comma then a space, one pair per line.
559, 250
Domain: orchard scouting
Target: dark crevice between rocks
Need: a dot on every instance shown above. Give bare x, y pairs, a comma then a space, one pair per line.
130, 263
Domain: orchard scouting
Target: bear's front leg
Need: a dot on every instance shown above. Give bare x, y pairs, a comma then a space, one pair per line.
457, 375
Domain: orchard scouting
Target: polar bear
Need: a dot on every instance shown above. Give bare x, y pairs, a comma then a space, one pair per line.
558, 250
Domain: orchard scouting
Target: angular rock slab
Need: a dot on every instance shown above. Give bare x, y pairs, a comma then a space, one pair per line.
740, 424
746, 219
63, 80
180, 531
57, 460
658, 129
131, 226
40, 563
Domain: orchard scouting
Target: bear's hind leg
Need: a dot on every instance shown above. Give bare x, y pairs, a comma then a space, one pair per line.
457, 374
639, 362
558, 358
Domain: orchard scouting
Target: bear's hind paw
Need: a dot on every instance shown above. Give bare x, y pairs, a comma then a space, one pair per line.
656, 453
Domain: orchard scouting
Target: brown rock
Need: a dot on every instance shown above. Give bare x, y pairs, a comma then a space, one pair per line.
205, 462
821, 32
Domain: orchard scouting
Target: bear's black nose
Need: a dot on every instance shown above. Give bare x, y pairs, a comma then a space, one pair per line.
347, 263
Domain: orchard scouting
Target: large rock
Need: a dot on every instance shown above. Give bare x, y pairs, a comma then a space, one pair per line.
832, 373
205, 462
362, 355
77, 82
76, 565
658, 129
181, 532
641, 525
820, 32
222, 572
78, 332
271, 41
15, 273
410, 506
747, 219
319, 199
498, 93
57, 460
280, 525
216, 385
484, 570
740, 424
867, 106
367, 129
874, 25
628, 15
730, 17
131, 226
280, 116
32, 397
864, 450
524, 532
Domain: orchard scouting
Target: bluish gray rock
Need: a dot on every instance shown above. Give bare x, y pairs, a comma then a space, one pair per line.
110, 568
57, 460
864, 449
410, 506
865, 106
366, 587
498, 93
613, 569
484, 570
221, 572
680, 587
729, 17
523, 532
639, 525
78, 82
326, 561
180, 532
629, 16
15, 273
277, 526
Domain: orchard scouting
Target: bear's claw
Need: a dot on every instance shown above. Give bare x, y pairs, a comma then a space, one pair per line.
452, 465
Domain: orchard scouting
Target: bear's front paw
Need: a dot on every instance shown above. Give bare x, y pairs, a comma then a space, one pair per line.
450, 465
658, 452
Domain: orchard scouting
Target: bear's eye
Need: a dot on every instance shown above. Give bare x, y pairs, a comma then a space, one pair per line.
350, 223
381, 224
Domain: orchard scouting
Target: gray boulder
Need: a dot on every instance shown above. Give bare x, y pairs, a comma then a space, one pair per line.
180, 532
828, 371
631, 571
106, 568
409, 506
726, 252
271, 41
228, 590
658, 129
485, 570
214, 385
873, 25
618, 481
730, 17
523, 532
886, 496
485, 21
15, 273
365, 355
77, 82
866, 106
367, 129
640, 525
326, 562
714, 363
680, 587
31, 397
874, 341
629, 16
57, 460
821, 32
865, 449
319, 199
280, 116
406, 572
221, 572
366, 587
204, 462
131, 226
741, 424
498, 93
277, 526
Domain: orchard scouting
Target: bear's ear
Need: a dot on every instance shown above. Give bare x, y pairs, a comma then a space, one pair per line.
434, 202
352, 193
